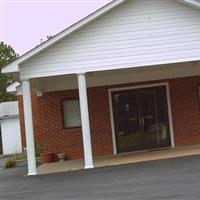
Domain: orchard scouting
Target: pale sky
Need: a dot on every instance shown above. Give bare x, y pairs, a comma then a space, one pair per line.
25, 22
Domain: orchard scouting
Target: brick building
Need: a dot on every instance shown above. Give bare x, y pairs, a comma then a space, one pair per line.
126, 78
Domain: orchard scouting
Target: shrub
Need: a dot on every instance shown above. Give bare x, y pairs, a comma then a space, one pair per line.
10, 163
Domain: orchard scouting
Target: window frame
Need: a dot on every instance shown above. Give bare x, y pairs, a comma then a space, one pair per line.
62, 109
198, 93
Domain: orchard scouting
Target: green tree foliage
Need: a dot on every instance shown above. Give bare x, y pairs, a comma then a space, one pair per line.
7, 55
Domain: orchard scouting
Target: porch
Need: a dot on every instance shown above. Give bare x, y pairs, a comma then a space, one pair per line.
102, 133
120, 159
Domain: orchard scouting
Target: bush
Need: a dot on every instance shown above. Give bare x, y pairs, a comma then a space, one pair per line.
11, 162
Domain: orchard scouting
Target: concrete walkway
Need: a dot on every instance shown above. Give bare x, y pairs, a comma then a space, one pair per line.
120, 159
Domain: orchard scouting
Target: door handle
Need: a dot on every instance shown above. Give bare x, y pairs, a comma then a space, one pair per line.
142, 121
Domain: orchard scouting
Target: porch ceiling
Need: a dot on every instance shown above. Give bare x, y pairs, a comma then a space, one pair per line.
120, 76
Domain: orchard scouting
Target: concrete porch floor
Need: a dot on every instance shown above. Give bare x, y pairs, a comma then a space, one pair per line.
120, 159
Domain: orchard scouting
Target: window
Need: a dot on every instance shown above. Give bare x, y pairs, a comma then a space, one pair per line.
71, 113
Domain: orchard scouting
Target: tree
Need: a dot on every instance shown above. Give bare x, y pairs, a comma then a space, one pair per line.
7, 55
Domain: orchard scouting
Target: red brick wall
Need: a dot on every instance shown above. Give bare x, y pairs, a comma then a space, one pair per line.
50, 134
185, 110
58, 139
53, 136
101, 133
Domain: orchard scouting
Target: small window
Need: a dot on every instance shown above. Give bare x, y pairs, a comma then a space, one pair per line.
71, 113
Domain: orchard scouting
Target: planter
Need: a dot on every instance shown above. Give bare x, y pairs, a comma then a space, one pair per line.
48, 157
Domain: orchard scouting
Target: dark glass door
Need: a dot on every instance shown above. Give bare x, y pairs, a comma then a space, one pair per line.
141, 119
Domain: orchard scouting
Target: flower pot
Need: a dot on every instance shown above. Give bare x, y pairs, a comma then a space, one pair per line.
48, 157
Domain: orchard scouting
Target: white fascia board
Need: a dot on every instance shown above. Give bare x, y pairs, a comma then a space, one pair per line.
193, 3
12, 88
14, 66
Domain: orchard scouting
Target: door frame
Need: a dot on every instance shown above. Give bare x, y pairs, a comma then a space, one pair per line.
166, 84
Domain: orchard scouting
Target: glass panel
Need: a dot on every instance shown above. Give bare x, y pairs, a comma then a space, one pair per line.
141, 119
153, 108
126, 122
71, 112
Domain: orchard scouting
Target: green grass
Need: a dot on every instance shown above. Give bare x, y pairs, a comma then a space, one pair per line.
20, 156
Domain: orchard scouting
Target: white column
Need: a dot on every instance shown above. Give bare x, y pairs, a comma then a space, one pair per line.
29, 127
85, 121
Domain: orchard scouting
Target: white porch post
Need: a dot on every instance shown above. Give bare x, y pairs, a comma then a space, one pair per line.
85, 121
29, 127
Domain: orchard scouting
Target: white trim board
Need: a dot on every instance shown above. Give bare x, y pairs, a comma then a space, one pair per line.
166, 84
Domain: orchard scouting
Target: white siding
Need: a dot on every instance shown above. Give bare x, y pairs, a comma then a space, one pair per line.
11, 136
137, 33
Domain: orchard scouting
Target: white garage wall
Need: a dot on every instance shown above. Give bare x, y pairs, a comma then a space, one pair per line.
11, 136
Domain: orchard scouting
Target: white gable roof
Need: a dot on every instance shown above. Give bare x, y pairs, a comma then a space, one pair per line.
14, 67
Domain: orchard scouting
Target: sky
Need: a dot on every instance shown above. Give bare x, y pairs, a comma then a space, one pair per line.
24, 23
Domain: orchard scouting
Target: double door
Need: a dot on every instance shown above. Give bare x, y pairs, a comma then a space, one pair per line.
141, 119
